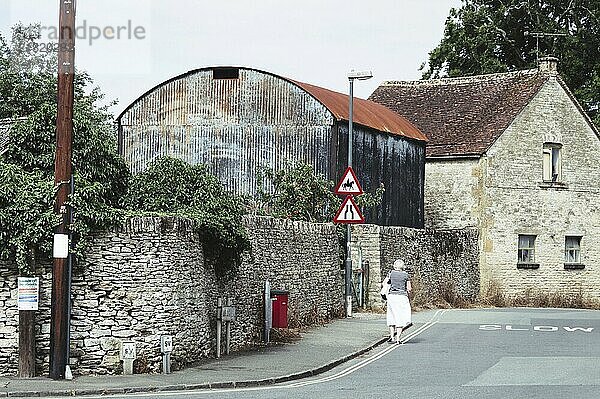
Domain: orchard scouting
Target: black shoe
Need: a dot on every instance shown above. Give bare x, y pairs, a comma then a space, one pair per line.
407, 326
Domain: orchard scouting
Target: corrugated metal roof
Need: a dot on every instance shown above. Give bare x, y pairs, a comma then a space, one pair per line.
366, 113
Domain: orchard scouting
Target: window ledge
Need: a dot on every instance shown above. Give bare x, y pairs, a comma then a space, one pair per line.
554, 184
574, 266
528, 265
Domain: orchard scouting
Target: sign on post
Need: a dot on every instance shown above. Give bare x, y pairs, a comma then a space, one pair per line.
166, 344
228, 313
128, 355
60, 249
348, 184
28, 293
128, 350
349, 212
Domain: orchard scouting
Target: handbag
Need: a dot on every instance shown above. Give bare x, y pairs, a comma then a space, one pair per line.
385, 288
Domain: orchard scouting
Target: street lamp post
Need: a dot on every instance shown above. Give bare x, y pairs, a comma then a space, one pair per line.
353, 75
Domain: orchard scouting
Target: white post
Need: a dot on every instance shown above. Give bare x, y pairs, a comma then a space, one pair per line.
268, 311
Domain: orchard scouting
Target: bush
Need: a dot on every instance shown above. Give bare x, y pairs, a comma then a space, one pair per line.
173, 187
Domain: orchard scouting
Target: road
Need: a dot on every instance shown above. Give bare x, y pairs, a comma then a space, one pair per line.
499, 353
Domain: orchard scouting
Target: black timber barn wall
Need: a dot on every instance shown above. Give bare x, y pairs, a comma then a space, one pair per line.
394, 161
236, 126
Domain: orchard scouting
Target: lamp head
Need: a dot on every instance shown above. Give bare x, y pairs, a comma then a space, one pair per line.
360, 75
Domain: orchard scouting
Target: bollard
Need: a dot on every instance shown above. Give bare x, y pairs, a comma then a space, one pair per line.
228, 328
128, 356
219, 327
166, 347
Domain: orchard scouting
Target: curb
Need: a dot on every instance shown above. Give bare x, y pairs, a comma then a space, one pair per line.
190, 387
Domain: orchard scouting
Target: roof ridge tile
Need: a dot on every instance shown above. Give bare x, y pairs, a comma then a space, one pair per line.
464, 79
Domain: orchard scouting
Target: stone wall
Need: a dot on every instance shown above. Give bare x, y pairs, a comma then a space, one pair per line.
451, 193
149, 278
438, 260
9, 318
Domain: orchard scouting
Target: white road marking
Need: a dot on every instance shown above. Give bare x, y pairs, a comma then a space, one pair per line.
365, 362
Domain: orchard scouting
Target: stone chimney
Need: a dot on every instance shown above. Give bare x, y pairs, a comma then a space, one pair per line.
548, 65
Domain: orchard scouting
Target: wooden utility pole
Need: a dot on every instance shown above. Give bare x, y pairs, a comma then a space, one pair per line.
27, 333
61, 274
26, 344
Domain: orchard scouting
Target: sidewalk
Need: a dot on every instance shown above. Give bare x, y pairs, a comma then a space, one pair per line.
318, 350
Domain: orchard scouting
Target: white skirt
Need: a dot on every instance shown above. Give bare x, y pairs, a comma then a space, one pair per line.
398, 310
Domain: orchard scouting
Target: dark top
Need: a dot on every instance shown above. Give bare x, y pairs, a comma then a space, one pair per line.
398, 281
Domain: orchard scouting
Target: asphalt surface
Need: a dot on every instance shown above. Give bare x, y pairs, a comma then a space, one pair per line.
319, 349
482, 353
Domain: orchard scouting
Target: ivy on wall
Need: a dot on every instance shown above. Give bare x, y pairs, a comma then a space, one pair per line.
25, 214
172, 186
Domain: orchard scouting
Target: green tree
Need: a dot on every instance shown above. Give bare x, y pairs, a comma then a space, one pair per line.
489, 36
171, 186
297, 192
25, 214
28, 92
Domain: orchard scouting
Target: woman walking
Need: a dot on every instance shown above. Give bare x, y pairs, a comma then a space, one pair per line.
398, 306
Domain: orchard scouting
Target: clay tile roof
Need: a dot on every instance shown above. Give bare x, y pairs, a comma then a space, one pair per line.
366, 113
461, 116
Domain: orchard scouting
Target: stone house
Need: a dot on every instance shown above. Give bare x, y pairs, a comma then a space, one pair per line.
516, 157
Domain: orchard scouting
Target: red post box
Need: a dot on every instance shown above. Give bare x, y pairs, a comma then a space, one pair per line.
280, 308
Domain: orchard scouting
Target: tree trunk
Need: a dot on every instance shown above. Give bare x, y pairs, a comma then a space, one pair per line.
26, 343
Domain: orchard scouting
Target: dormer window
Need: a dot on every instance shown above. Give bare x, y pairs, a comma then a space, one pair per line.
552, 162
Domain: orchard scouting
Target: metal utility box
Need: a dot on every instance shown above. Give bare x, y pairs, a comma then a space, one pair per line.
280, 308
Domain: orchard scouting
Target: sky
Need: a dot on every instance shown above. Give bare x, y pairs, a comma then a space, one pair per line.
130, 46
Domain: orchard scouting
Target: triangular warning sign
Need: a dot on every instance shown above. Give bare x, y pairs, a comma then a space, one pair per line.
349, 212
348, 184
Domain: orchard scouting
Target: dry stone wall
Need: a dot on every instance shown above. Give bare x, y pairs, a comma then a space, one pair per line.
9, 318
149, 278
437, 259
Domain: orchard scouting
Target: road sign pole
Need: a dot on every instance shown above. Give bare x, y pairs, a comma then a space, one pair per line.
348, 262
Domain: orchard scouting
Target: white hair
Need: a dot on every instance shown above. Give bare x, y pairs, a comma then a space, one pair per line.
399, 264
